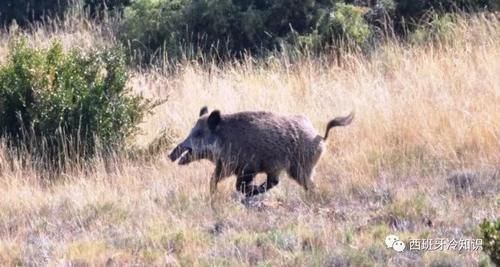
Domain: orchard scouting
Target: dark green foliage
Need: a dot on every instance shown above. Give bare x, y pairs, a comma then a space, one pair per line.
222, 28
65, 106
26, 11
439, 28
345, 24
152, 25
413, 10
490, 231
98, 8
407, 15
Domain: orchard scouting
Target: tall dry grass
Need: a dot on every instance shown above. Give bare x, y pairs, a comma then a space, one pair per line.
427, 119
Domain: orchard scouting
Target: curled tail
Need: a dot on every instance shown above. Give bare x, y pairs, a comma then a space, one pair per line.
339, 121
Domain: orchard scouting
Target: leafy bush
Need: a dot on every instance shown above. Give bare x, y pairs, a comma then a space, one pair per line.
347, 22
64, 106
229, 27
490, 231
344, 25
439, 28
149, 26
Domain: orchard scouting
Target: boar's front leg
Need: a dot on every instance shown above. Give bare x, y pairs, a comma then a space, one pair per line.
218, 175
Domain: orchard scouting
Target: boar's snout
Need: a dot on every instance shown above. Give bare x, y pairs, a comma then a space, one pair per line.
179, 151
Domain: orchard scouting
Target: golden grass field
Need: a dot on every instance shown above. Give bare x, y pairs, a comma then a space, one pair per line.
421, 160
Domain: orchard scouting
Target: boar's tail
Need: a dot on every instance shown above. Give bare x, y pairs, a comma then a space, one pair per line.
339, 121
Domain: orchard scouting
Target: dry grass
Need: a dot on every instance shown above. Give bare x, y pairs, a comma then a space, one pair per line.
424, 114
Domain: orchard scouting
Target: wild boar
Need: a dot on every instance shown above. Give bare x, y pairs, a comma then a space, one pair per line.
252, 142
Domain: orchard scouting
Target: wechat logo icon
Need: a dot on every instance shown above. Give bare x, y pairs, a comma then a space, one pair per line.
392, 241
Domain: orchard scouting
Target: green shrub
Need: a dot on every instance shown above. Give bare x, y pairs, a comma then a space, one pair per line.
150, 26
347, 23
490, 231
228, 28
342, 26
65, 106
225, 28
438, 29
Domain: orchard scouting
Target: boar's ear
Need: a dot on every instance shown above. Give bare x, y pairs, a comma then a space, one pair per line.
203, 111
213, 120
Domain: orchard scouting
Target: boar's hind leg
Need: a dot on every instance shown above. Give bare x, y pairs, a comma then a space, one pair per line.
272, 181
303, 176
